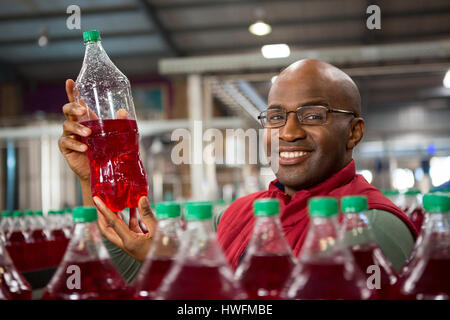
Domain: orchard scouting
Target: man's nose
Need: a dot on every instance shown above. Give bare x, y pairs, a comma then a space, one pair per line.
292, 130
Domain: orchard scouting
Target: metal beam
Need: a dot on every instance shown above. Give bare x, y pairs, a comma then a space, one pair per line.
337, 55
306, 21
152, 15
216, 3
62, 13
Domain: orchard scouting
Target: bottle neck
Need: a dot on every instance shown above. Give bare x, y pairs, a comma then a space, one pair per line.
356, 229
268, 237
436, 241
167, 239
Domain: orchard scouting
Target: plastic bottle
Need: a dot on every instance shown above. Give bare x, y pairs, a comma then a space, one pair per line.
12, 284
59, 241
428, 278
269, 260
117, 173
357, 235
413, 207
16, 241
326, 269
39, 248
165, 244
200, 270
5, 224
86, 272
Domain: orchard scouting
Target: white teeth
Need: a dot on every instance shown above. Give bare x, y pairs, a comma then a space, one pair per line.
294, 154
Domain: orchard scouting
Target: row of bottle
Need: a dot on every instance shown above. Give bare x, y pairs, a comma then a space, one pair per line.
333, 263
34, 241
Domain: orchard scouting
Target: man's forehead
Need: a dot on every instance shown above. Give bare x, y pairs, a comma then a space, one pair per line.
291, 92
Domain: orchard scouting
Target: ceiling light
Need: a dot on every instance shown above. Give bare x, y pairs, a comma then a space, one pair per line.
447, 79
272, 51
43, 41
260, 28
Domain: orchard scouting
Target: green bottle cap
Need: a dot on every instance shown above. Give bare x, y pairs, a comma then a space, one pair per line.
59, 211
198, 210
17, 213
28, 212
390, 192
91, 36
6, 213
266, 207
354, 204
435, 202
412, 192
165, 210
68, 210
323, 207
84, 214
38, 213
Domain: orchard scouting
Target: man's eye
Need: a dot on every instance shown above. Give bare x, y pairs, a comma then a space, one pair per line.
313, 116
275, 117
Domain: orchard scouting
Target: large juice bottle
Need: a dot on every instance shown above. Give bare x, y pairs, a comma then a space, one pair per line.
165, 244
326, 269
86, 272
357, 236
413, 207
200, 270
12, 284
117, 173
428, 277
268, 261
16, 241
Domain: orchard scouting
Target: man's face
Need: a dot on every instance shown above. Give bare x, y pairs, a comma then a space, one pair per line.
309, 154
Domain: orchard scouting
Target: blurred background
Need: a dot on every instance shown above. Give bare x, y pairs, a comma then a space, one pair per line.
203, 60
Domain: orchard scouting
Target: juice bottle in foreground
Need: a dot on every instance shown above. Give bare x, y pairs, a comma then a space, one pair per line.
357, 236
165, 244
268, 261
326, 269
86, 272
12, 283
117, 173
200, 271
428, 278
413, 207
16, 241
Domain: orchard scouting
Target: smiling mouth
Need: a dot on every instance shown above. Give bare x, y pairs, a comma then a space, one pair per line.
292, 157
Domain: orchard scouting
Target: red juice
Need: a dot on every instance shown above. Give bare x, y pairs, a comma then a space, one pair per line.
39, 249
201, 282
371, 254
431, 283
14, 284
117, 173
16, 248
266, 276
329, 282
99, 280
57, 246
147, 284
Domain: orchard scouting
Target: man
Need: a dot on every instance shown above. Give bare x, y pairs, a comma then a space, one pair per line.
315, 109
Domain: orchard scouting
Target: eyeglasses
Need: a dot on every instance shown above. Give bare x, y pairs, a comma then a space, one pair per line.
307, 115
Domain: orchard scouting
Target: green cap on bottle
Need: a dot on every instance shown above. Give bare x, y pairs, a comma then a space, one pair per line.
6, 213
412, 192
266, 207
59, 211
390, 192
17, 213
28, 212
91, 36
198, 210
84, 214
165, 210
353, 204
435, 202
38, 213
323, 207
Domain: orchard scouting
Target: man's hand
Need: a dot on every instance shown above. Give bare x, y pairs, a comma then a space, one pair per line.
71, 148
130, 239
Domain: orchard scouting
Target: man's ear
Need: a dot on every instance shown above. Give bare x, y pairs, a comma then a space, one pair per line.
356, 132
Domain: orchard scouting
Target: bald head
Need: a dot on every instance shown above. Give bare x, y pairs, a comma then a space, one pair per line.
321, 79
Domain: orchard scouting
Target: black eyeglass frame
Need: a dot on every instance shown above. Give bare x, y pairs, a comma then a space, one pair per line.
329, 110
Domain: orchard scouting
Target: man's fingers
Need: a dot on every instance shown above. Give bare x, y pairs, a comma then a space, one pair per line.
72, 127
147, 215
122, 114
109, 233
70, 143
70, 85
134, 221
72, 111
113, 221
